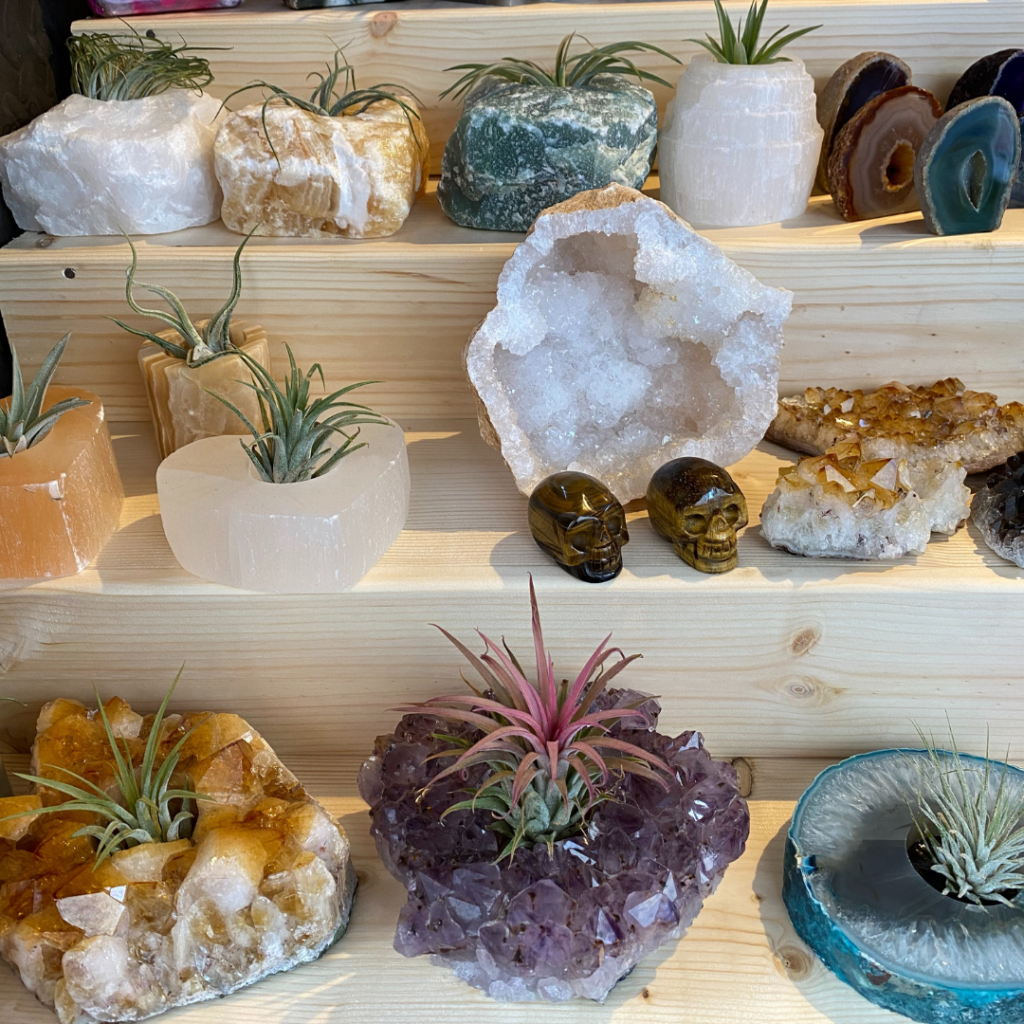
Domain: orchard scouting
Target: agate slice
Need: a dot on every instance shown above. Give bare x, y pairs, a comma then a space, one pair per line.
946, 419
854, 84
967, 165
998, 510
871, 168
998, 74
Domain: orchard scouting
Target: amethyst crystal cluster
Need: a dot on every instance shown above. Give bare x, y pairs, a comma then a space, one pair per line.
564, 923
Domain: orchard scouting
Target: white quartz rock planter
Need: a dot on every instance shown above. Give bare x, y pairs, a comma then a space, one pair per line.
622, 340
740, 144
319, 536
97, 167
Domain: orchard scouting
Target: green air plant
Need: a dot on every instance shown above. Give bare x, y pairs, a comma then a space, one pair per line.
975, 843
740, 46
23, 422
195, 347
146, 812
296, 431
130, 67
576, 71
550, 755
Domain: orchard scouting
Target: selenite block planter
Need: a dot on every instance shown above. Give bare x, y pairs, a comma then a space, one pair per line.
320, 536
740, 143
61, 499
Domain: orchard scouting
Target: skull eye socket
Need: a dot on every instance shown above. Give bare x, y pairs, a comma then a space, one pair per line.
732, 514
694, 523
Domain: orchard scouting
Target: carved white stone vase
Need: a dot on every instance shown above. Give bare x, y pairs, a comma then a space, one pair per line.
740, 143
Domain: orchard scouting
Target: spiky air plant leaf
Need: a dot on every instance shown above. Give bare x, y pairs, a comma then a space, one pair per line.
975, 843
551, 758
148, 811
576, 71
105, 66
195, 347
23, 422
740, 46
296, 431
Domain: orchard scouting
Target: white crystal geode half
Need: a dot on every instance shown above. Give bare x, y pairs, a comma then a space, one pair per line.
621, 340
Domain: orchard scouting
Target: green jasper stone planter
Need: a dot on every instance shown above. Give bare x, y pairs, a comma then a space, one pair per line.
966, 167
519, 148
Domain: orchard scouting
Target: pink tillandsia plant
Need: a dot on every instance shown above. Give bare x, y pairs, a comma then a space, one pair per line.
551, 757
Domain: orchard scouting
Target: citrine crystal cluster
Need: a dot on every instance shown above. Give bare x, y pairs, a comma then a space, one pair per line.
263, 884
998, 510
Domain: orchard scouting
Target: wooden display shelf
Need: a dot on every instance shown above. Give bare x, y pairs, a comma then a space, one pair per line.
785, 656
412, 43
873, 301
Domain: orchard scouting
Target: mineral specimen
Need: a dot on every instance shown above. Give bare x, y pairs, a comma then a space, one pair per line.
946, 420
265, 882
354, 175
697, 505
871, 168
99, 167
580, 524
998, 510
965, 169
622, 339
740, 143
854, 83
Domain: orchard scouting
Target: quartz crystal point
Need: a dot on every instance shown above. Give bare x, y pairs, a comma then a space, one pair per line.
572, 922
264, 884
355, 175
945, 420
998, 510
871, 169
319, 536
621, 340
60, 500
854, 83
740, 143
180, 402
99, 167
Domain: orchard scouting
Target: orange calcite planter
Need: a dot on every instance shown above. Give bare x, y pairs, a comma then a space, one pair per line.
61, 499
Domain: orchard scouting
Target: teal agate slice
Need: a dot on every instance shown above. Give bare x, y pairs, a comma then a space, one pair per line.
965, 170
520, 148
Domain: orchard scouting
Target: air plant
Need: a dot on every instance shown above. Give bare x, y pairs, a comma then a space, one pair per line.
975, 844
296, 431
739, 46
130, 67
195, 347
550, 754
577, 71
145, 813
23, 422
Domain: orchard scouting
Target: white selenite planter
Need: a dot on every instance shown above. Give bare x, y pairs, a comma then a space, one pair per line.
740, 144
97, 167
227, 525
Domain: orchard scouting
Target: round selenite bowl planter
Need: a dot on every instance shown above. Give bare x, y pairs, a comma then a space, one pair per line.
227, 525
740, 143
858, 901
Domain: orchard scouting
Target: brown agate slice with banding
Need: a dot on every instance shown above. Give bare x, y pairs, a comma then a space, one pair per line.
871, 169
855, 83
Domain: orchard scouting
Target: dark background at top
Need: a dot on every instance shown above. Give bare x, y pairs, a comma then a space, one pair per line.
34, 75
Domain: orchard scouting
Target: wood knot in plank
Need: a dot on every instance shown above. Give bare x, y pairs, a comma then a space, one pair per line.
807, 691
382, 23
804, 640
794, 963
744, 775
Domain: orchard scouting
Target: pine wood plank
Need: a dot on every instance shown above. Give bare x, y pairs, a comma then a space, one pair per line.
872, 301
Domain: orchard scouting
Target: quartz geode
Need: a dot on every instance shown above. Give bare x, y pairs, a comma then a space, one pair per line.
998, 510
572, 922
265, 882
622, 340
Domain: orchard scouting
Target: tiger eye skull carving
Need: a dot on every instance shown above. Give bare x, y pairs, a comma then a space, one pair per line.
580, 524
697, 505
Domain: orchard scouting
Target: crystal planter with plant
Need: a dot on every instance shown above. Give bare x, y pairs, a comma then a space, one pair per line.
548, 836
347, 161
60, 491
741, 138
130, 150
302, 508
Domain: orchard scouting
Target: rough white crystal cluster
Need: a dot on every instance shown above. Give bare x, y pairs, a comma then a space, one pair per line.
97, 167
621, 340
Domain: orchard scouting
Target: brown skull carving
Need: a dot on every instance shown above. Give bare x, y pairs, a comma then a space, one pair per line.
697, 505
580, 524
